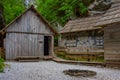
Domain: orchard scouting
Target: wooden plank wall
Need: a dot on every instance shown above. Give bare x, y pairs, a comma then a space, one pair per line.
25, 37
23, 45
112, 43
31, 23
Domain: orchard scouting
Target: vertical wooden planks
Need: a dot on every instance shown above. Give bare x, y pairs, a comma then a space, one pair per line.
29, 22
18, 43
52, 46
15, 46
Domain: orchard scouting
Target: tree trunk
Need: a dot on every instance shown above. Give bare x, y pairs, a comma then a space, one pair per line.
2, 23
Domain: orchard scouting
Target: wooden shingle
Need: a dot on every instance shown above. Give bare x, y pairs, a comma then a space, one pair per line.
81, 24
111, 16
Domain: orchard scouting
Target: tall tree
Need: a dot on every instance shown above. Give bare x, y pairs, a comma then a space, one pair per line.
58, 11
2, 23
63, 10
12, 8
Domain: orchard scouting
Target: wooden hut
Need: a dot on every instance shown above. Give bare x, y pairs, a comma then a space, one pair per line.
111, 23
29, 35
80, 36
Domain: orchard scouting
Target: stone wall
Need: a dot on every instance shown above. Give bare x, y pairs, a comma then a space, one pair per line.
83, 42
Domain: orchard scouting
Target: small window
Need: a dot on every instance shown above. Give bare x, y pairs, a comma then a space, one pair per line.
99, 41
71, 41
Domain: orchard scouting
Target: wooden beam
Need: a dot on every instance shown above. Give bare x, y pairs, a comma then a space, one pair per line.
28, 33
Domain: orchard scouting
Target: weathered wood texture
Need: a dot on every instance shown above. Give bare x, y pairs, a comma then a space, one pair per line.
25, 37
23, 45
111, 16
80, 35
29, 22
112, 43
81, 24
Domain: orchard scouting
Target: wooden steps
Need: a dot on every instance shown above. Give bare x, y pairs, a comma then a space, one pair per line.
28, 58
48, 58
32, 58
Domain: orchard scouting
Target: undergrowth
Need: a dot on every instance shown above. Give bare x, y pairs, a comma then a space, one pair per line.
2, 65
79, 58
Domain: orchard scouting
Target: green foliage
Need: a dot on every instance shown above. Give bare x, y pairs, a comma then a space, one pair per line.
2, 24
61, 55
1, 7
2, 65
56, 41
53, 10
12, 8
79, 58
62, 10
2, 53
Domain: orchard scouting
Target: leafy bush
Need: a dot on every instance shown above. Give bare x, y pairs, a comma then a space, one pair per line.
2, 53
2, 65
61, 55
56, 41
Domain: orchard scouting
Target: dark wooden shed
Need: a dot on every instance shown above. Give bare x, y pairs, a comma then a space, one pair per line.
29, 35
111, 23
80, 36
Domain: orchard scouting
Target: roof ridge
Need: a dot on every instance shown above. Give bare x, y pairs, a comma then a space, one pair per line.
86, 17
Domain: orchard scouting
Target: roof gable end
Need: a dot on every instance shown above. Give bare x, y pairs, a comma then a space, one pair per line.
37, 14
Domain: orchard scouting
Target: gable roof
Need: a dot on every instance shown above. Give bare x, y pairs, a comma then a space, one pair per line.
38, 14
81, 24
111, 16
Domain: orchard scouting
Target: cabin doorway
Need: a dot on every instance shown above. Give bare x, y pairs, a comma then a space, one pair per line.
47, 41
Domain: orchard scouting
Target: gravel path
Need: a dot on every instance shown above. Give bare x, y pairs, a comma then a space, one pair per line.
49, 70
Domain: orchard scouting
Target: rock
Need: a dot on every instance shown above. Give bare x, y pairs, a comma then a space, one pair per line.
99, 7
79, 73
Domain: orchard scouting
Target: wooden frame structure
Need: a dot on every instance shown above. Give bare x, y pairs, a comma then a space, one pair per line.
110, 21
80, 36
25, 36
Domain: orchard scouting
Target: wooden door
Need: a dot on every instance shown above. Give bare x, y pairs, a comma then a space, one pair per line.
46, 45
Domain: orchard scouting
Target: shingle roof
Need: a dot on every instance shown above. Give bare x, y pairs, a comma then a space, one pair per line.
81, 24
111, 16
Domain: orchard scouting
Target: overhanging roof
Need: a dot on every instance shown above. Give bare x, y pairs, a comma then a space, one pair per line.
81, 24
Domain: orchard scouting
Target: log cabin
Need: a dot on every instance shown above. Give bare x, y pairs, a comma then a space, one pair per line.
110, 21
29, 35
79, 36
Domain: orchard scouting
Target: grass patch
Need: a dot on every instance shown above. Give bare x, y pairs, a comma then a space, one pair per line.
98, 59
79, 57
2, 65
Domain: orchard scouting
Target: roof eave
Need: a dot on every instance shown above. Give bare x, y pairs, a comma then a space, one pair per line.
80, 30
105, 25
